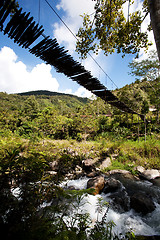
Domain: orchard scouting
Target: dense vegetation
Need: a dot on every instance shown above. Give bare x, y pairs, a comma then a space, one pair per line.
58, 116
40, 128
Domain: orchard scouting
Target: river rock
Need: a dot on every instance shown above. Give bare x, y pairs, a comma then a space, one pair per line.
88, 165
105, 164
120, 201
92, 174
142, 203
122, 173
72, 188
140, 169
155, 237
118, 171
52, 172
96, 183
156, 182
150, 174
111, 185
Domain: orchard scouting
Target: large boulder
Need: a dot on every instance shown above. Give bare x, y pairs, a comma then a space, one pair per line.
112, 185
122, 174
120, 201
156, 182
142, 203
97, 183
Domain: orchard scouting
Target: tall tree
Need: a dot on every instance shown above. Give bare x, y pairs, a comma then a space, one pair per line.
154, 8
148, 69
109, 30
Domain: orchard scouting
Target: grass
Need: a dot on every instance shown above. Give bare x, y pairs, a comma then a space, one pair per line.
127, 154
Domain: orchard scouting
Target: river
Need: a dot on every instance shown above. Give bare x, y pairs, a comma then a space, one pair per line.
125, 221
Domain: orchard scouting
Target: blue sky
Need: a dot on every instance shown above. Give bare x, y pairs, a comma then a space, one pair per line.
21, 71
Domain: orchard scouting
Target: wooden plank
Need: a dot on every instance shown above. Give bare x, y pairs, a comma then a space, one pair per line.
6, 13
12, 24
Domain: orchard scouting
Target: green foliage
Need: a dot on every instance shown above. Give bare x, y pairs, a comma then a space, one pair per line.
147, 68
63, 117
109, 30
133, 96
22, 192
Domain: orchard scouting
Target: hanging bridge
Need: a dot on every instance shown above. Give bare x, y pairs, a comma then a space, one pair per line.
25, 32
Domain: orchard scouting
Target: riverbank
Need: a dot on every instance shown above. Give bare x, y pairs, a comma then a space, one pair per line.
36, 168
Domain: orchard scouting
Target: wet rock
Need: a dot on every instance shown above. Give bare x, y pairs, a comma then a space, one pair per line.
120, 201
155, 237
112, 185
97, 183
72, 188
142, 203
69, 176
156, 182
78, 170
122, 174
52, 172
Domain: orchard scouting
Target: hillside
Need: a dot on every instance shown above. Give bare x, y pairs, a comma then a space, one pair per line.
44, 99
140, 92
61, 116
49, 93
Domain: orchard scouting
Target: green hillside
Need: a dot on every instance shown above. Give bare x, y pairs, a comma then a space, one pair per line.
61, 116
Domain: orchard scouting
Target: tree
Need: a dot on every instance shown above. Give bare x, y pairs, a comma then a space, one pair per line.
144, 111
133, 96
154, 8
31, 107
109, 30
147, 68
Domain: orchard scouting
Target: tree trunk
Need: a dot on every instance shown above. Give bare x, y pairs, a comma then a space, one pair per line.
145, 131
154, 8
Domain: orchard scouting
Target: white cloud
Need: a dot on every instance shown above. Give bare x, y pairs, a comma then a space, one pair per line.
82, 92
143, 54
73, 9
68, 91
15, 78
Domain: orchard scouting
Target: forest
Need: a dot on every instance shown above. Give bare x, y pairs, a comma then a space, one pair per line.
38, 129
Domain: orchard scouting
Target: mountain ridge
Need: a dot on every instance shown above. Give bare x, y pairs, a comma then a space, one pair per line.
48, 93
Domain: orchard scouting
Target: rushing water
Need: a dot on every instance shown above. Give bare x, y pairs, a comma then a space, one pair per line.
130, 220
